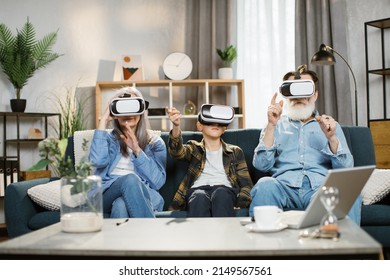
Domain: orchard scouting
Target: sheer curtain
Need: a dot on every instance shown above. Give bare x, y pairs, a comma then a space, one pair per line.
266, 51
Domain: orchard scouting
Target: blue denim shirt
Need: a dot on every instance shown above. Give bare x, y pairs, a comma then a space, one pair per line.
149, 165
301, 149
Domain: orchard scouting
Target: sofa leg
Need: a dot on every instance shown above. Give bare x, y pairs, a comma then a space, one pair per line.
386, 253
382, 255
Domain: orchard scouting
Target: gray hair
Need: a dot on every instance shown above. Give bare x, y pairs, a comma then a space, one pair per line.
141, 131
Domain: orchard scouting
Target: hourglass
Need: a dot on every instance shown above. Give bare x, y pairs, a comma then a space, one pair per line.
329, 198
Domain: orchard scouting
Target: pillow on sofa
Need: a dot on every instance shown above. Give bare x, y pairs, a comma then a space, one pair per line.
47, 195
377, 186
78, 139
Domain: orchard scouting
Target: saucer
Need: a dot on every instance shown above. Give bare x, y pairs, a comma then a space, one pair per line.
252, 227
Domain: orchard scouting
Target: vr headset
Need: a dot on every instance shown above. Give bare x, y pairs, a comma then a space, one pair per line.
128, 106
297, 88
216, 114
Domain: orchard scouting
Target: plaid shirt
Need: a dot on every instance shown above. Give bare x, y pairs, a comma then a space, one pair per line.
194, 152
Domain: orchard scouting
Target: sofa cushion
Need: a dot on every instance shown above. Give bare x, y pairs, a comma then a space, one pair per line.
380, 234
44, 219
377, 186
47, 195
375, 215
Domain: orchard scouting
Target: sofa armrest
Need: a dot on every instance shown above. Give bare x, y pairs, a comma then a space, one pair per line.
19, 208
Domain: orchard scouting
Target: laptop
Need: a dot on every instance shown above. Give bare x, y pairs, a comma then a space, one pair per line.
349, 181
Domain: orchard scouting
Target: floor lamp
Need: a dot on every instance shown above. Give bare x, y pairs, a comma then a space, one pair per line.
325, 57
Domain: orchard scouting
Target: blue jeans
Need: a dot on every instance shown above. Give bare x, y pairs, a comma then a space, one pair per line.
269, 191
128, 197
211, 201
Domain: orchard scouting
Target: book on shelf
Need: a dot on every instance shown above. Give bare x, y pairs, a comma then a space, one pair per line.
9, 173
2, 185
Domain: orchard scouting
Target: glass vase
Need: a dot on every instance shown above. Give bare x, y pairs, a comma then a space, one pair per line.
81, 204
189, 108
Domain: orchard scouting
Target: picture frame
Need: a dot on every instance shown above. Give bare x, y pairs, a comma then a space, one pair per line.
132, 68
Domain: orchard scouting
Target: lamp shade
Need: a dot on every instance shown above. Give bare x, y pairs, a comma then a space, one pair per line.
323, 57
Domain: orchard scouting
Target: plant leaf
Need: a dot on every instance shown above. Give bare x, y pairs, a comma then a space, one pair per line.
42, 163
21, 54
62, 144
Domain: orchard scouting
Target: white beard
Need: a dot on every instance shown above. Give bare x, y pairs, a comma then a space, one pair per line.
299, 113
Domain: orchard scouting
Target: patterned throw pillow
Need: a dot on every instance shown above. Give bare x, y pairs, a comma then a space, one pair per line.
47, 195
377, 186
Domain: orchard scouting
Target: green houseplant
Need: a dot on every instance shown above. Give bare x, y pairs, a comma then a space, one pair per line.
227, 55
71, 108
21, 55
51, 149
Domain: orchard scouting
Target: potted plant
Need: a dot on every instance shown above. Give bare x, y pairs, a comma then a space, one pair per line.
51, 149
71, 108
227, 55
21, 55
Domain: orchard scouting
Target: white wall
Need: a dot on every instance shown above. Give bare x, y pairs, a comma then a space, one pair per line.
90, 31
93, 30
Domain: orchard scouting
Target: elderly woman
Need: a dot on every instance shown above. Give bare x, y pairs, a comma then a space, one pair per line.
130, 159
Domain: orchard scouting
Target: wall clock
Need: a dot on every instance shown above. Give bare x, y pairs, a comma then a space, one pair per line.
177, 66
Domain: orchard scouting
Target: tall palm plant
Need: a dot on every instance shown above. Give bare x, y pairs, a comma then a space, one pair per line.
21, 55
72, 112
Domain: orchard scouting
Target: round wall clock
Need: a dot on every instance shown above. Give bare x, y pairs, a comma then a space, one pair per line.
177, 66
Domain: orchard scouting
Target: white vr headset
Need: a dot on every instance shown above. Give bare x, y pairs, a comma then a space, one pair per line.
128, 106
216, 114
297, 88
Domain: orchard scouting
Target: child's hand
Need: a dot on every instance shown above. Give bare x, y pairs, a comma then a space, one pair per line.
174, 115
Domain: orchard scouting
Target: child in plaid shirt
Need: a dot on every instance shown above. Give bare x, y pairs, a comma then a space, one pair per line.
217, 180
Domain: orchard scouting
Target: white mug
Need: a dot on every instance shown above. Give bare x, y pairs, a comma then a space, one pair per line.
267, 216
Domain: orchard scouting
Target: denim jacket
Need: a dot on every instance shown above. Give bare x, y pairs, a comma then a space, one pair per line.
149, 165
301, 149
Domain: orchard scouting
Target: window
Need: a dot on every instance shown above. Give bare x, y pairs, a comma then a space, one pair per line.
266, 51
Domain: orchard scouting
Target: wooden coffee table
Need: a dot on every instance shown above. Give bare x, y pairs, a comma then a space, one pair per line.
198, 238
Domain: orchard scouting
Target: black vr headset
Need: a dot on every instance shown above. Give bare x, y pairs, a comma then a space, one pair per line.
297, 88
216, 114
128, 106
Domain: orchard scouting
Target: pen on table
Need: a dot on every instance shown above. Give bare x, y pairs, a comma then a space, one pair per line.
120, 223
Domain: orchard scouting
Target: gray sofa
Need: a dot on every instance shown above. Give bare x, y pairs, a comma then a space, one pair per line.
23, 215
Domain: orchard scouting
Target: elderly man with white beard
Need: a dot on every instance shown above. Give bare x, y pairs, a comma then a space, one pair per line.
298, 148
